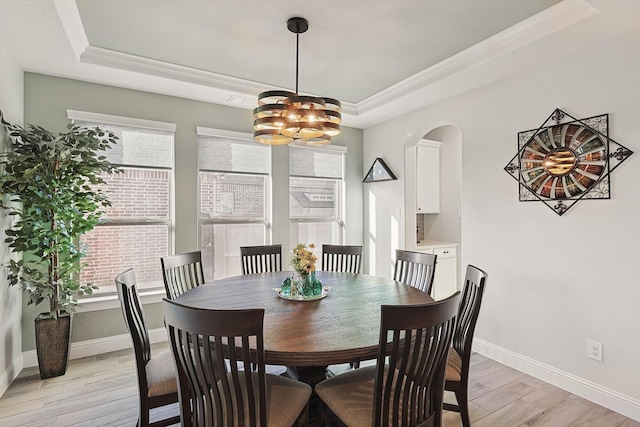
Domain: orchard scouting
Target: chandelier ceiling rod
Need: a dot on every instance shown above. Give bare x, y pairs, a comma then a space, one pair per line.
298, 26
297, 56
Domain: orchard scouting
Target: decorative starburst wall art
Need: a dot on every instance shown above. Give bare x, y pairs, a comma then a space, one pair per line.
566, 160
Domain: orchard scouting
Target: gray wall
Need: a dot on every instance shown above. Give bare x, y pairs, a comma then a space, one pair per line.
47, 99
11, 97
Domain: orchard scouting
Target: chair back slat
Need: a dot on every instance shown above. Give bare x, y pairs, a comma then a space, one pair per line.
261, 259
416, 339
342, 258
181, 273
415, 269
200, 341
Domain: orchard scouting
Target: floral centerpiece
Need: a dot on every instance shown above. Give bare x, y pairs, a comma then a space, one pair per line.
303, 262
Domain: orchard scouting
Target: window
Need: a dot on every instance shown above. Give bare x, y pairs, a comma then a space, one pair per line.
316, 192
234, 180
139, 227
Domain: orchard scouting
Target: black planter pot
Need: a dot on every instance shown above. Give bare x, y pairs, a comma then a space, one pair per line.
52, 344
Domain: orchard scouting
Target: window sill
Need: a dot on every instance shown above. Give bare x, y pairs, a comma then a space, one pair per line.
107, 302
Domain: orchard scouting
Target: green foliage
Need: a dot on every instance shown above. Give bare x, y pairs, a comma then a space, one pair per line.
50, 185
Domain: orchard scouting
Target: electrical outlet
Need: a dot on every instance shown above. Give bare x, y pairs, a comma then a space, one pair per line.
594, 350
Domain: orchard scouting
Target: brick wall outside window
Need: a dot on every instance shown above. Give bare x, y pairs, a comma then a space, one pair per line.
136, 194
248, 199
230, 196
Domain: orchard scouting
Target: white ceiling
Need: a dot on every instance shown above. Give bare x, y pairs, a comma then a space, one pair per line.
386, 41
371, 55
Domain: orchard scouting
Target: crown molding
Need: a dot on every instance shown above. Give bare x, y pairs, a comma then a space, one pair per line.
240, 93
138, 64
69, 15
545, 23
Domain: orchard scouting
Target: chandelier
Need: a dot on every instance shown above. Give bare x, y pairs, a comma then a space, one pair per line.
284, 117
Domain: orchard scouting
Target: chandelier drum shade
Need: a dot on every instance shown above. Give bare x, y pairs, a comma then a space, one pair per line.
284, 117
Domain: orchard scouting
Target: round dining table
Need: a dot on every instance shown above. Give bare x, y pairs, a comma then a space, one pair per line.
339, 328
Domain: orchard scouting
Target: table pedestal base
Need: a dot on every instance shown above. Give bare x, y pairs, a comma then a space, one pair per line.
311, 375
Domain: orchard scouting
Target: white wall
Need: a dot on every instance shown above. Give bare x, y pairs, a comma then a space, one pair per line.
554, 282
11, 105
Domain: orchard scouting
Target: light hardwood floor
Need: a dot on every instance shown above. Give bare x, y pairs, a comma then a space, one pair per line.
101, 391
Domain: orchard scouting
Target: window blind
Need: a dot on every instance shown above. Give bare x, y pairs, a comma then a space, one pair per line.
316, 162
137, 146
224, 154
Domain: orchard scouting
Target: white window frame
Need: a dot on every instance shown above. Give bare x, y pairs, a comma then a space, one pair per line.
151, 295
340, 220
267, 221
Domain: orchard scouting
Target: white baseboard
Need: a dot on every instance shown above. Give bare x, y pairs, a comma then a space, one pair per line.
10, 374
603, 396
97, 346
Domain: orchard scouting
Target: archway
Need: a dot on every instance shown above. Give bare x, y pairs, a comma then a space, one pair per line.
444, 225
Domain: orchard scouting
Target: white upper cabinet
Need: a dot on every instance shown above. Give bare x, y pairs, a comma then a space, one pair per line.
427, 177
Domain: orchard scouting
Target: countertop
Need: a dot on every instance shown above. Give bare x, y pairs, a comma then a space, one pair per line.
434, 244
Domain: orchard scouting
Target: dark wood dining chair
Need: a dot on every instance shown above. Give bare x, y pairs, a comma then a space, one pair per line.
261, 259
157, 383
185, 271
182, 272
415, 269
199, 337
457, 373
343, 258
406, 391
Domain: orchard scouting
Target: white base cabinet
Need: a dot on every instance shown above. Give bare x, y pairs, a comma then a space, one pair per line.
445, 281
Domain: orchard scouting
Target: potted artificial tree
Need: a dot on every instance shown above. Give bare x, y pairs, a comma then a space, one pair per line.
50, 186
